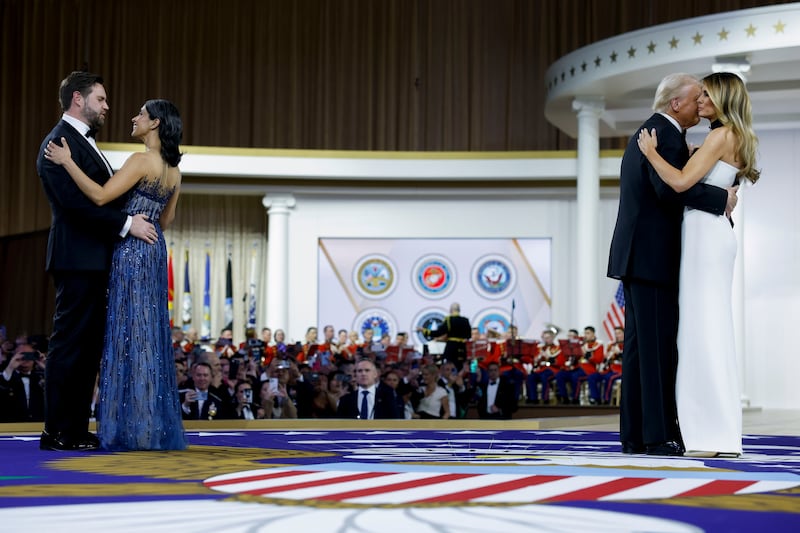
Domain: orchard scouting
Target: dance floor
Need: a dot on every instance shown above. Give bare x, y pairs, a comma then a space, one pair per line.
443, 476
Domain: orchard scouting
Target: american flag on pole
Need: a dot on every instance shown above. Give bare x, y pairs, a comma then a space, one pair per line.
615, 316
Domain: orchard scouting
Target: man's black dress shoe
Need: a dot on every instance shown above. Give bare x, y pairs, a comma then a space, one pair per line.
58, 442
88, 443
55, 442
630, 448
92, 439
669, 448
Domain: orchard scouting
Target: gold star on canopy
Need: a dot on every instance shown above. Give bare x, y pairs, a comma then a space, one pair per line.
651, 48
723, 35
572, 72
563, 75
583, 66
631, 52
779, 27
613, 57
674, 42
597, 61
697, 38
751, 30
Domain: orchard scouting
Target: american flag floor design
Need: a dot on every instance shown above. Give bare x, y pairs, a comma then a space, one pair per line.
420, 487
444, 480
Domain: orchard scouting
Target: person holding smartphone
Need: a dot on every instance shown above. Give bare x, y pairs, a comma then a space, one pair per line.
22, 387
245, 408
275, 399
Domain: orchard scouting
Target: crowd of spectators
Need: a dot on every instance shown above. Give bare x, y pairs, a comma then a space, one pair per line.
264, 376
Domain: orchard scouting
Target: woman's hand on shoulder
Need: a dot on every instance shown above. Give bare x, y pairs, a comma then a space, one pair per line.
647, 141
58, 154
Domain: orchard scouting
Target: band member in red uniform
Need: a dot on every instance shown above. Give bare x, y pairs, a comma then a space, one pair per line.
592, 354
608, 372
545, 366
571, 349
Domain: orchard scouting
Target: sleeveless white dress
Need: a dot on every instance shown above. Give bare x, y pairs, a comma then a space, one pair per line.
707, 386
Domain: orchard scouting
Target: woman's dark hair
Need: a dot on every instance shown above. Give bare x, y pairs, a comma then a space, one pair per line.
170, 129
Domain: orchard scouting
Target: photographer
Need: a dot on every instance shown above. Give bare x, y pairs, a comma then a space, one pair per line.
245, 409
276, 401
22, 387
253, 346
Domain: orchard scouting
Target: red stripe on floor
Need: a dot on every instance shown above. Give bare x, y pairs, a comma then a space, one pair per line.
715, 488
490, 490
259, 477
603, 489
319, 482
395, 487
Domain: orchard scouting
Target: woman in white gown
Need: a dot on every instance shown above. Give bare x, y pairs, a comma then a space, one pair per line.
707, 386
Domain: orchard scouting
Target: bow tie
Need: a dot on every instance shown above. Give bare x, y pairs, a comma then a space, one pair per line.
91, 133
492, 383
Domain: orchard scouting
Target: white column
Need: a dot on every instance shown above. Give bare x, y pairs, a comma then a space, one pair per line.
278, 206
588, 268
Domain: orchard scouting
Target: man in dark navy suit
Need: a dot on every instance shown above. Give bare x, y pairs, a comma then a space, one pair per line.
645, 254
372, 399
78, 257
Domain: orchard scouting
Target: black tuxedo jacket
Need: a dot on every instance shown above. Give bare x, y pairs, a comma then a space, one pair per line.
387, 404
505, 400
647, 238
81, 233
13, 405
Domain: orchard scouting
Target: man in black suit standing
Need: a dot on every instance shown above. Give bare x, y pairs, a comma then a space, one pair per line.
645, 255
78, 257
371, 399
498, 399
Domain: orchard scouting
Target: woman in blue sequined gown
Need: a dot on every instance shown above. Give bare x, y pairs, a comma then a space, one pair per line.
138, 405
707, 384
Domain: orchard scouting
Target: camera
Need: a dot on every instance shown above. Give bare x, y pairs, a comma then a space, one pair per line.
30, 356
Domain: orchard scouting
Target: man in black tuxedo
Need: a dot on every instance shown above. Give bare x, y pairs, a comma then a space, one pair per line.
199, 402
78, 257
498, 399
645, 255
22, 387
372, 399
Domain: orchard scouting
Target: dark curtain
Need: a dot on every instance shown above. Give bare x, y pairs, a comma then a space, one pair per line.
463, 75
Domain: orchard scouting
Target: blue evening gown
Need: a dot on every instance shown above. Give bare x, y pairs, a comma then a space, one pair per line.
138, 404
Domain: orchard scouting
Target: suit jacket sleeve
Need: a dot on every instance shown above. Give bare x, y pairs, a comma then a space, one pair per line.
75, 206
346, 408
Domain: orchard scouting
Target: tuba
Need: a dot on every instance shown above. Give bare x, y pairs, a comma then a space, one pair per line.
553, 328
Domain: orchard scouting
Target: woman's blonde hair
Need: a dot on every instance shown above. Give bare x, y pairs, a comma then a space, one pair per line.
732, 102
